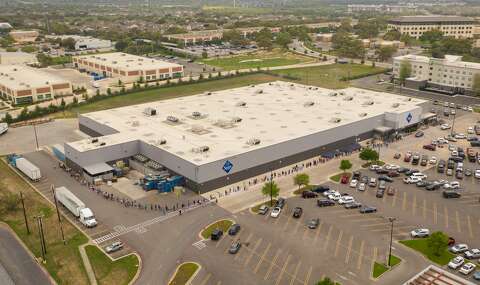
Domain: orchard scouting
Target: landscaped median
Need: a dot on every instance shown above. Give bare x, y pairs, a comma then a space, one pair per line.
255, 208
338, 176
223, 225
421, 245
184, 273
380, 268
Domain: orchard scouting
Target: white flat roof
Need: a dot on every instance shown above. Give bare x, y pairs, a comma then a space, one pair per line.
19, 77
127, 61
272, 113
449, 60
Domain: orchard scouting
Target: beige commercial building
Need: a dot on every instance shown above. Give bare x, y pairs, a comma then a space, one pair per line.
415, 26
24, 36
450, 71
11, 58
22, 84
126, 67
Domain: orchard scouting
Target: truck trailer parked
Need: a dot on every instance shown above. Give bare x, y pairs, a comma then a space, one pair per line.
28, 168
75, 206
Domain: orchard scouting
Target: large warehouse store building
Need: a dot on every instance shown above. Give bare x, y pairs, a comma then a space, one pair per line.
218, 138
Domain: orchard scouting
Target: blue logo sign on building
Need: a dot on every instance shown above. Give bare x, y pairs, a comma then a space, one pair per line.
227, 166
409, 117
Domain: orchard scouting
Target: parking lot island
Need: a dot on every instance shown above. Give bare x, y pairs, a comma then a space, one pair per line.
222, 225
185, 273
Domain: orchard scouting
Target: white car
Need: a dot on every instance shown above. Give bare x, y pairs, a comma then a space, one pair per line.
442, 141
353, 183
335, 196
420, 233
467, 268
460, 136
374, 167
411, 180
473, 253
445, 127
275, 212
329, 192
452, 185
456, 262
477, 173
470, 109
391, 167
459, 248
452, 147
470, 130
433, 160
346, 200
454, 153
419, 175
361, 186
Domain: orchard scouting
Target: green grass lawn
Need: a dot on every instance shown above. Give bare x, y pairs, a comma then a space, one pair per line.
337, 176
379, 268
328, 76
421, 246
302, 189
184, 273
273, 58
394, 260
257, 207
378, 162
120, 271
224, 225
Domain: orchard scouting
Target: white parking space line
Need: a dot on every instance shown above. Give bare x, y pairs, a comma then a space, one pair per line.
337, 246
294, 276
469, 225
360, 255
394, 200
307, 277
349, 249
404, 203
282, 271
272, 263
205, 280
457, 220
445, 215
414, 205
424, 207
262, 258
435, 213
318, 232
374, 225
286, 224
327, 239
257, 244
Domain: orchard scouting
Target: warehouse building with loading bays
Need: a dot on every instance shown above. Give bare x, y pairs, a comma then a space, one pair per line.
127, 68
22, 84
219, 138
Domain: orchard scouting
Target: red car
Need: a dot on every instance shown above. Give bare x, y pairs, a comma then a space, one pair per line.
407, 157
344, 179
431, 147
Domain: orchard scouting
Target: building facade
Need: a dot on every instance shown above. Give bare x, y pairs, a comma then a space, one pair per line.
415, 26
450, 71
85, 43
22, 84
127, 68
24, 36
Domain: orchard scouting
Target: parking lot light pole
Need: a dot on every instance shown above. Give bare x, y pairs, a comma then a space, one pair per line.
391, 219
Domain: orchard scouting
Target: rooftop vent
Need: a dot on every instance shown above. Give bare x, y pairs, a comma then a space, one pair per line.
95, 140
241, 104
236, 119
368, 103
150, 111
260, 91
395, 105
332, 94
172, 119
348, 98
309, 104
103, 143
253, 141
341, 93
208, 93
196, 114
335, 120
161, 141
201, 149
362, 114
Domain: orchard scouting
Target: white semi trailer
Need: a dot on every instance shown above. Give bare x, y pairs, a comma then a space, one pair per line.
75, 206
28, 168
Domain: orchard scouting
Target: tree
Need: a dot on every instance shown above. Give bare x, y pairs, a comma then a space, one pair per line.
234, 37
438, 243
345, 165
326, 281
264, 38
369, 154
270, 189
301, 179
385, 53
9, 202
68, 43
392, 35
121, 45
204, 54
367, 29
405, 71
62, 104
8, 118
476, 84
432, 36
283, 39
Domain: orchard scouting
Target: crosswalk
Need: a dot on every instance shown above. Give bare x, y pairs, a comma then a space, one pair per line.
199, 244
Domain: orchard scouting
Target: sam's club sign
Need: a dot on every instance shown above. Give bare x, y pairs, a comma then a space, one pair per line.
227, 166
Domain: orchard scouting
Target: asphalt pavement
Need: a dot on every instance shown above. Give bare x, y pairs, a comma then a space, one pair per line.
20, 267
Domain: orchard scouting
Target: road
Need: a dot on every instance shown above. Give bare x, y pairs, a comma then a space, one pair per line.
18, 263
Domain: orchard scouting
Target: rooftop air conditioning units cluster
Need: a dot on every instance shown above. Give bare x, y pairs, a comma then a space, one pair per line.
335, 120
150, 111
196, 114
253, 141
236, 119
172, 119
309, 104
241, 104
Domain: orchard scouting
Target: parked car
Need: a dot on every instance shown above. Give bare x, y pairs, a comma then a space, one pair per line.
353, 205
263, 210
459, 248
385, 178
372, 182
393, 174
353, 183
368, 209
467, 268
390, 191
356, 175
280, 203
380, 193
216, 234
420, 233
116, 246
430, 147
447, 194
313, 223
309, 194
325, 203
275, 212
419, 134
297, 212
361, 187
234, 229
445, 127
344, 179
456, 262
473, 253
320, 188
346, 200
476, 275
234, 247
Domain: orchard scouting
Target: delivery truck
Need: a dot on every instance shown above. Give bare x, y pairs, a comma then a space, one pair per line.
28, 168
75, 206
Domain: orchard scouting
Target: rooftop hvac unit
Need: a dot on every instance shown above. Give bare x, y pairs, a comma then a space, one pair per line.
241, 104
161, 141
260, 91
369, 103
140, 157
103, 143
208, 93
95, 140
408, 99
203, 148
253, 141
150, 111
309, 104
341, 93
363, 114
252, 85
172, 119
348, 98
196, 114
395, 105
236, 119
332, 94
335, 120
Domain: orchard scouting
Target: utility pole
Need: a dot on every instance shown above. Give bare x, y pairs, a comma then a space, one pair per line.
43, 235
24, 213
37, 219
271, 187
58, 215
391, 219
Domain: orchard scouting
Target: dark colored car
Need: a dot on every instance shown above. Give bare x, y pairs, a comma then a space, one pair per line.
456, 158
368, 209
353, 205
380, 193
381, 171
234, 229
364, 179
419, 134
433, 187
403, 169
451, 194
385, 178
431, 147
410, 172
235, 247
216, 234
297, 212
356, 175
309, 194
393, 174
459, 175
321, 188
280, 203
313, 223
325, 203
263, 210
422, 183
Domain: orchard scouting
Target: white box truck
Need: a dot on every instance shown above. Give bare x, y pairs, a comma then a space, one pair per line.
28, 168
75, 206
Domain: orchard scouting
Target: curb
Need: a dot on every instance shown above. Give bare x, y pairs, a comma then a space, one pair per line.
20, 241
87, 264
204, 228
191, 277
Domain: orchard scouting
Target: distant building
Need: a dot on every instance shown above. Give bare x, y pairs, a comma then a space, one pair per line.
22, 84
13, 58
449, 73
415, 26
24, 36
380, 8
128, 68
85, 43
